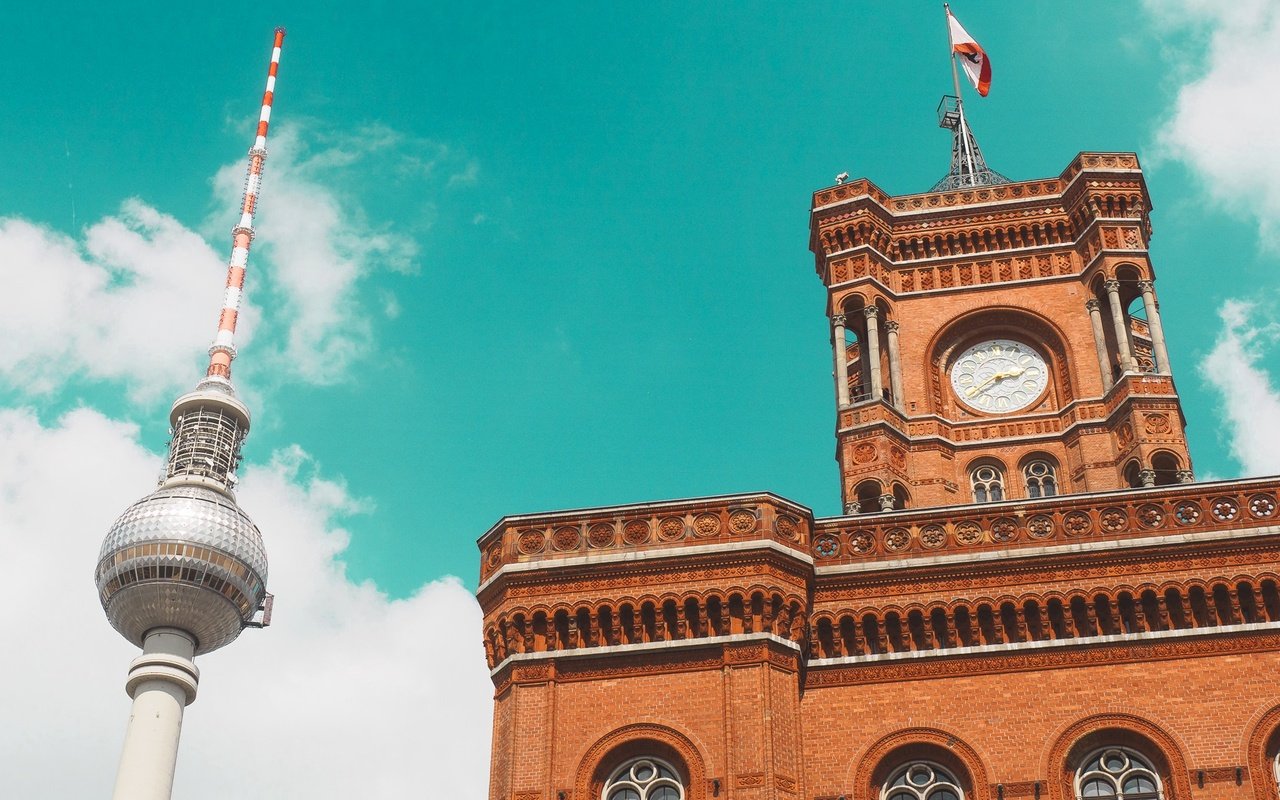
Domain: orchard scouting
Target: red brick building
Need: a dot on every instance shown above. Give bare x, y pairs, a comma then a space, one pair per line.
1027, 596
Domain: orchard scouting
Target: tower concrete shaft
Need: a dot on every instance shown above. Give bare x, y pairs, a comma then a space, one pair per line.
162, 682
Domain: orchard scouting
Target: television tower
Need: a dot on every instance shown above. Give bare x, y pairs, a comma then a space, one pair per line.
183, 570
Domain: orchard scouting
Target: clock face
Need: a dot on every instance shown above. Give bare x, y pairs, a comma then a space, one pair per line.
999, 376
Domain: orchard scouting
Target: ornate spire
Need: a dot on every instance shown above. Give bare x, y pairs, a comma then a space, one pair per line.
968, 167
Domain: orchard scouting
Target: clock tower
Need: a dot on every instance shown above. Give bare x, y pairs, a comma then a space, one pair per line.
998, 341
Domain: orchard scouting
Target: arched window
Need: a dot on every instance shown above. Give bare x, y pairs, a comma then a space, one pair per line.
1117, 773
988, 483
1041, 478
921, 780
643, 779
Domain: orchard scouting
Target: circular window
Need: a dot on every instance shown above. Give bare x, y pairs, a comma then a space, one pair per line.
1117, 772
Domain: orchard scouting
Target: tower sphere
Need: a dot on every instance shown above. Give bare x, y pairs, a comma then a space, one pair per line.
183, 557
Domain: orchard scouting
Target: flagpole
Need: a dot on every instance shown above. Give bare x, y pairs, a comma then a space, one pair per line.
955, 79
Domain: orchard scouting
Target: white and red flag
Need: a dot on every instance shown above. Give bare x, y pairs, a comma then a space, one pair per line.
972, 57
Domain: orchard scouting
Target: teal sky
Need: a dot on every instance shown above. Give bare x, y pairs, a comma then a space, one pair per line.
611, 298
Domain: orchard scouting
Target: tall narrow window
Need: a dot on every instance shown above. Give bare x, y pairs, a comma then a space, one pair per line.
1041, 479
988, 484
921, 780
1117, 773
643, 779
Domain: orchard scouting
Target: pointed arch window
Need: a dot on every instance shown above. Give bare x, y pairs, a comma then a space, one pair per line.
921, 780
1117, 773
1041, 478
644, 779
988, 483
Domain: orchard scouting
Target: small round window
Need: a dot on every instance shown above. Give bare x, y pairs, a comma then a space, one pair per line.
644, 779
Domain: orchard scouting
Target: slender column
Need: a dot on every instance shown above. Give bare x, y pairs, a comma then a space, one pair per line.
1117, 319
887, 502
895, 365
852, 507
1100, 342
1186, 476
1147, 477
162, 682
841, 358
872, 314
1157, 330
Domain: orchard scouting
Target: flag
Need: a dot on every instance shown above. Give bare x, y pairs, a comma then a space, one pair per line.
972, 57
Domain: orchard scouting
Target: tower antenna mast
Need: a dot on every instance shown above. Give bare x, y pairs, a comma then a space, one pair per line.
223, 350
183, 571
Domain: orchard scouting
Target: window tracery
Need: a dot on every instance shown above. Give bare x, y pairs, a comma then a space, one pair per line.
644, 779
921, 780
1041, 478
1119, 773
988, 483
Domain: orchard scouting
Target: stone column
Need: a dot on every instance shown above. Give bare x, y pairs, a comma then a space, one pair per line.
887, 502
852, 507
842, 360
895, 365
1186, 476
1100, 342
873, 350
1147, 477
1157, 330
1127, 363
162, 682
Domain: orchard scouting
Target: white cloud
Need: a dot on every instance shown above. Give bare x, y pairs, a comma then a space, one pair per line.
347, 694
1221, 127
1224, 118
1250, 399
137, 300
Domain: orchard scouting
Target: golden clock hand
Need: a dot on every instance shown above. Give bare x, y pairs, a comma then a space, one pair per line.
996, 376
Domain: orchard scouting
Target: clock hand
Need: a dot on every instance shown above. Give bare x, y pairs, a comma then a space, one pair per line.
984, 384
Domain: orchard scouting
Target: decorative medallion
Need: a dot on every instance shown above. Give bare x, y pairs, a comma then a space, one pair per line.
1262, 506
826, 546
864, 453
861, 541
706, 524
1150, 515
968, 533
1114, 520
1125, 434
670, 528
1187, 512
933, 536
788, 527
531, 542
741, 522
494, 556
1040, 526
1003, 529
1156, 423
1077, 523
600, 534
1224, 509
898, 457
565, 538
897, 539
635, 532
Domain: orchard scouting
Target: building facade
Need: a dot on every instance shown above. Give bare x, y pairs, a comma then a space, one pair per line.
1026, 597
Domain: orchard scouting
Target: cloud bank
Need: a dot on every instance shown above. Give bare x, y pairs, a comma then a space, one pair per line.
1221, 127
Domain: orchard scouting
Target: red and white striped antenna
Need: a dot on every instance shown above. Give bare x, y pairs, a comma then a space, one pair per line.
223, 350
